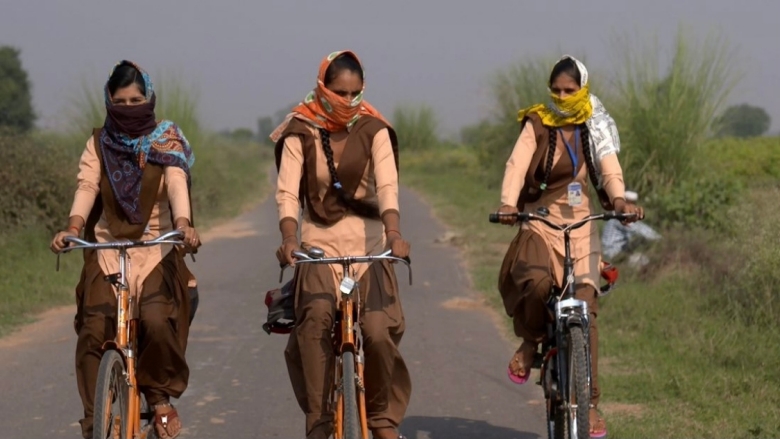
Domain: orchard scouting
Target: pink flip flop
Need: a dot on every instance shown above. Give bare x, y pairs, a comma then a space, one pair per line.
516, 378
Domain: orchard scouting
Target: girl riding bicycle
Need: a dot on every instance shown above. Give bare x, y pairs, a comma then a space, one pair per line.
338, 161
562, 145
134, 183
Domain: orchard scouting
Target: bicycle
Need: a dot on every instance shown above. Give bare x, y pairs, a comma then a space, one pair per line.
565, 361
348, 395
121, 410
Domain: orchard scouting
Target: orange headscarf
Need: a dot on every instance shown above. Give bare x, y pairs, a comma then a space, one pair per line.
325, 109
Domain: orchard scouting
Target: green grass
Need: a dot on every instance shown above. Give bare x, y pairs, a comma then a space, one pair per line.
671, 364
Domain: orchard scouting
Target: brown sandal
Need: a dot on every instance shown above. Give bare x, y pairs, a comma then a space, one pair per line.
163, 420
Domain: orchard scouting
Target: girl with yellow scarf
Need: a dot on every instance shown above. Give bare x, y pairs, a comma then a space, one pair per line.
564, 146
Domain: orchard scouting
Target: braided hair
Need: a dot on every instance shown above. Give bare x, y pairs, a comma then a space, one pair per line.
585, 139
361, 208
585, 136
550, 156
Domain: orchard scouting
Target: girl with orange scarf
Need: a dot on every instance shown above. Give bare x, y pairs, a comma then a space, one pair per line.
337, 159
562, 145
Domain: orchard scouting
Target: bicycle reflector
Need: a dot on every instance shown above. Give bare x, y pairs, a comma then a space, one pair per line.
347, 285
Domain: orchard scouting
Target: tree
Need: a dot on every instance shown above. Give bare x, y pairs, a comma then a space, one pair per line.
743, 120
16, 110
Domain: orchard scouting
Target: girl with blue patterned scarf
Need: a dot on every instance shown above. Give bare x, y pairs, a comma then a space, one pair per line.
134, 183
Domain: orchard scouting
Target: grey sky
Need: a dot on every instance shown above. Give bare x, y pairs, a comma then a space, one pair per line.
249, 58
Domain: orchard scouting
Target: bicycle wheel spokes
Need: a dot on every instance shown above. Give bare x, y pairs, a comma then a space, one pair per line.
111, 398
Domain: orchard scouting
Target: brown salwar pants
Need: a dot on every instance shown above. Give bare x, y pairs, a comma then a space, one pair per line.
311, 360
162, 370
525, 283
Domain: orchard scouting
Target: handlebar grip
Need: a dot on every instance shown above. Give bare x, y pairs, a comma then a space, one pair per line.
493, 218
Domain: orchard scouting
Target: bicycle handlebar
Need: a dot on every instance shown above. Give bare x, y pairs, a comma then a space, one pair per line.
525, 216
81, 244
316, 256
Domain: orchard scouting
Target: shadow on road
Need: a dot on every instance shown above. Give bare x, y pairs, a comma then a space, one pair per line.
458, 428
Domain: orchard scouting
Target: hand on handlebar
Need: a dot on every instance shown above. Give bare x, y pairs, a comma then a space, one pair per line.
284, 252
624, 208
397, 245
508, 218
191, 237
58, 242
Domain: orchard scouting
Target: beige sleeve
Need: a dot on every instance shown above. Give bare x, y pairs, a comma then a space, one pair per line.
289, 180
178, 194
612, 177
88, 182
385, 172
517, 165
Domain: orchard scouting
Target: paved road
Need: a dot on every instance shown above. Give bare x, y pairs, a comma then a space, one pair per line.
239, 386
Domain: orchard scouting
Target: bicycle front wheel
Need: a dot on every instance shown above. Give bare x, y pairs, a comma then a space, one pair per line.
111, 398
351, 420
578, 406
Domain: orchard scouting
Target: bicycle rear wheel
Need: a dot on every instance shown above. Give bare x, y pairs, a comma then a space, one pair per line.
578, 406
351, 420
111, 398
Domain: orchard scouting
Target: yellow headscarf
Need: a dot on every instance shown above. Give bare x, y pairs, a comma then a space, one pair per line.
571, 110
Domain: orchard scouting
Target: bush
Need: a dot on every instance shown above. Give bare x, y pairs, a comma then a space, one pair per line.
44, 199
750, 291
752, 161
695, 203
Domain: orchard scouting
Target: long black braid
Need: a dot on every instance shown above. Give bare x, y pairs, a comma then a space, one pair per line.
585, 136
361, 208
550, 156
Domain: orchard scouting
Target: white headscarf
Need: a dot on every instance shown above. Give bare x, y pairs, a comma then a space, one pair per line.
604, 139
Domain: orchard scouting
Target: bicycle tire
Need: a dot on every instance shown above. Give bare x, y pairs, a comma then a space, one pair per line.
111, 397
351, 420
579, 385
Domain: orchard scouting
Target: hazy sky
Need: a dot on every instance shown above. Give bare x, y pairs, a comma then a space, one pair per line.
249, 58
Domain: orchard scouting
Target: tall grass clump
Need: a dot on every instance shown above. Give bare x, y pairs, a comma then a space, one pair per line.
665, 107
416, 126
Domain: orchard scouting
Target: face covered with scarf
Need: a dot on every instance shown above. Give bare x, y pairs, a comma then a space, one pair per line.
571, 103
336, 103
131, 137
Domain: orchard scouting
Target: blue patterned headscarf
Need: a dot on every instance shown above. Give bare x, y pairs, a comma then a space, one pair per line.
131, 138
